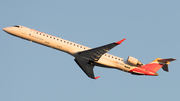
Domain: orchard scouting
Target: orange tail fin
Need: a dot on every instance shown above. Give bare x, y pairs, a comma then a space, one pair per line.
155, 65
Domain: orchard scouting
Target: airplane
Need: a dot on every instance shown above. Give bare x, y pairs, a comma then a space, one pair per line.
87, 58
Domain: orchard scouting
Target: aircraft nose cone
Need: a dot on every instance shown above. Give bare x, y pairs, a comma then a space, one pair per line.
7, 29
4, 29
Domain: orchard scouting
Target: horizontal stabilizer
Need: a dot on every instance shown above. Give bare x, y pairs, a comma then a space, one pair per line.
159, 63
166, 60
165, 67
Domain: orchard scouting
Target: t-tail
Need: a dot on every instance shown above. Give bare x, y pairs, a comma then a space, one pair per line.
158, 63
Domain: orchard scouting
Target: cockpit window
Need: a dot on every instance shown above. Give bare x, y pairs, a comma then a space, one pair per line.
16, 26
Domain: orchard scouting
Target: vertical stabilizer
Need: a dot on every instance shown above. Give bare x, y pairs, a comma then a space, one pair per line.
158, 63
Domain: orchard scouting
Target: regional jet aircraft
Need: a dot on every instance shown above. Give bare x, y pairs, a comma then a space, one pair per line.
87, 57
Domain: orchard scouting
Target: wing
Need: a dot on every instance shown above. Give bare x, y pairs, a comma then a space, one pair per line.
86, 66
96, 53
85, 59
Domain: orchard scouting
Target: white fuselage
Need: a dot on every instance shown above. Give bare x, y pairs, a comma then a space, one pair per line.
107, 60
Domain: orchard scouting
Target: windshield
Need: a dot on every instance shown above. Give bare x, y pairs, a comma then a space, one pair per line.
16, 26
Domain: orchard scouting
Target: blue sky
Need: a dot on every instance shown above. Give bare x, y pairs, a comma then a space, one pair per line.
31, 72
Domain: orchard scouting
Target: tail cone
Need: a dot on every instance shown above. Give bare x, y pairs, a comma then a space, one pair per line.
156, 74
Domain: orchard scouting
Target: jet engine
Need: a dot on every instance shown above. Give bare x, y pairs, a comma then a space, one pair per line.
134, 61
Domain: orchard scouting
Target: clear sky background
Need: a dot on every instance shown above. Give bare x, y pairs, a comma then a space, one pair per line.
32, 72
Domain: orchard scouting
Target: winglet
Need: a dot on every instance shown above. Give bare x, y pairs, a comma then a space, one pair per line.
119, 42
97, 77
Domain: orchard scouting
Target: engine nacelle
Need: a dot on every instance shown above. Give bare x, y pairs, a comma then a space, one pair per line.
134, 61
